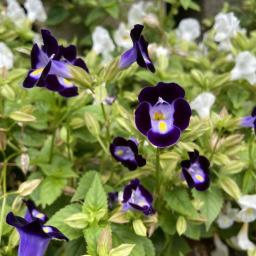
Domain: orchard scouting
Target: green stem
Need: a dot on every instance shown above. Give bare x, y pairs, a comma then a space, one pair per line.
251, 151
157, 173
4, 200
106, 120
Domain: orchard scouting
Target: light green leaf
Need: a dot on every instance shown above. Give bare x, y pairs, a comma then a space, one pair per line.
122, 250
181, 225
91, 236
230, 187
77, 220
139, 227
20, 116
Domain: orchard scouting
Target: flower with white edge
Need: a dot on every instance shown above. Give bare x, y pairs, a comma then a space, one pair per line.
220, 248
248, 208
241, 241
122, 36
35, 10
227, 217
245, 67
102, 43
188, 29
139, 13
202, 104
15, 13
6, 56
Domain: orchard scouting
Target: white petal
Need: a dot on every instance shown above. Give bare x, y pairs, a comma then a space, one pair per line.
188, 29
122, 36
220, 248
224, 221
35, 10
6, 56
137, 12
242, 239
15, 13
246, 215
247, 201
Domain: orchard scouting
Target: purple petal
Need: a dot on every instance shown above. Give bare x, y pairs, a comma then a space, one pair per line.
69, 53
53, 84
142, 118
60, 68
146, 194
38, 57
204, 163
128, 58
32, 213
29, 81
254, 111
193, 156
50, 43
164, 140
149, 94
136, 32
53, 232
69, 92
80, 63
42, 79
248, 121
182, 113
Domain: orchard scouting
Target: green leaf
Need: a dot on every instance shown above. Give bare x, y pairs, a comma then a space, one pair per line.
179, 201
122, 250
74, 247
50, 189
77, 220
95, 204
20, 116
167, 222
213, 201
84, 185
185, 3
230, 187
57, 220
181, 225
91, 236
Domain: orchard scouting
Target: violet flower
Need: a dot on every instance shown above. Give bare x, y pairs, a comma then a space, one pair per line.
126, 152
136, 197
250, 121
51, 66
34, 236
139, 51
196, 171
162, 114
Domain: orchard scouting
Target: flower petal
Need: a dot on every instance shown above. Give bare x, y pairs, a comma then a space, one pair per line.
142, 118
136, 32
164, 140
69, 52
182, 113
128, 58
50, 43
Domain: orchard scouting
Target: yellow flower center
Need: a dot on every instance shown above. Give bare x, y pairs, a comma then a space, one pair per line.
162, 126
120, 152
47, 229
200, 178
37, 72
67, 82
159, 116
39, 215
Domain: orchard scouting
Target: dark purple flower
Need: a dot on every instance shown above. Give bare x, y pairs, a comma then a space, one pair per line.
250, 121
136, 197
33, 213
51, 66
126, 152
139, 51
162, 114
196, 171
34, 236
112, 200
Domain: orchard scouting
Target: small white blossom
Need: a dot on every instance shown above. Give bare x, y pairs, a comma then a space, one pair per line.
220, 248
188, 29
227, 217
15, 13
102, 43
248, 205
122, 36
202, 104
6, 56
242, 240
35, 10
245, 67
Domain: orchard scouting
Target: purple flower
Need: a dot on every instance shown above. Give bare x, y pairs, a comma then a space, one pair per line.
51, 66
162, 114
196, 171
139, 51
136, 197
112, 200
250, 121
126, 152
34, 236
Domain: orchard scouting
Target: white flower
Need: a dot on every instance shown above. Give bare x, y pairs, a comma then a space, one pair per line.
220, 248
6, 56
202, 104
241, 240
102, 43
226, 26
188, 29
138, 13
248, 205
15, 13
122, 36
35, 10
227, 217
245, 67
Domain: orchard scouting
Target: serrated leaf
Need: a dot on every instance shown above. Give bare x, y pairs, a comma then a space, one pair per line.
230, 187
84, 185
91, 236
57, 220
77, 220
179, 200
213, 201
104, 243
50, 189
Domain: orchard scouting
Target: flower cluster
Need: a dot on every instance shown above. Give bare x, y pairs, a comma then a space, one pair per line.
50, 66
34, 235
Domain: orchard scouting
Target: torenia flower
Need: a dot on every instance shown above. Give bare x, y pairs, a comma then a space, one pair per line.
248, 206
126, 152
196, 171
122, 36
34, 236
136, 197
102, 43
35, 10
15, 13
245, 67
6, 56
242, 240
188, 29
162, 114
227, 217
139, 51
220, 248
250, 121
203, 103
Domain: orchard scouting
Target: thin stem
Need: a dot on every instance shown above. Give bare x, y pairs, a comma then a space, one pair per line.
215, 146
157, 173
68, 143
250, 151
106, 120
4, 199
